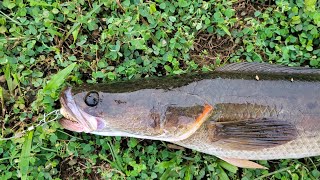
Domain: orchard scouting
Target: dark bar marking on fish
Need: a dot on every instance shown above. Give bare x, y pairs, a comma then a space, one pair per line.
155, 116
253, 134
182, 115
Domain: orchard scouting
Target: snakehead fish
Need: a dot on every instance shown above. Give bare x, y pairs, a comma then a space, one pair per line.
240, 112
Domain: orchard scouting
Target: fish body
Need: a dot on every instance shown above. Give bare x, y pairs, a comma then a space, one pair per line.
245, 111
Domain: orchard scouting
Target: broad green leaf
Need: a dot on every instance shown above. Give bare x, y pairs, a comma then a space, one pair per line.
314, 62
257, 13
172, 18
152, 8
316, 173
229, 13
199, 26
309, 48
249, 47
138, 43
25, 155
257, 57
310, 5
183, 3
132, 142
54, 32
167, 68
296, 20
163, 5
3, 29
111, 76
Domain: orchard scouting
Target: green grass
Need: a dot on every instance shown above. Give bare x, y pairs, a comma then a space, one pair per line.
45, 45
25, 155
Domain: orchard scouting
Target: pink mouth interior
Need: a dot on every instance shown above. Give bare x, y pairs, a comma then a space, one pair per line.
71, 125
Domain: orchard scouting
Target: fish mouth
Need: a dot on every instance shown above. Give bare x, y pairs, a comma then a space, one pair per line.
74, 118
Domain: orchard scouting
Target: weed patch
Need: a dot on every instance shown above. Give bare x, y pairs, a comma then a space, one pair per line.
45, 45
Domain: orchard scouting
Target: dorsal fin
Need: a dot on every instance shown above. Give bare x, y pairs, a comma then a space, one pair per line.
254, 67
252, 134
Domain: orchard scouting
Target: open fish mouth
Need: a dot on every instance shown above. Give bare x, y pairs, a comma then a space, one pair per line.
76, 119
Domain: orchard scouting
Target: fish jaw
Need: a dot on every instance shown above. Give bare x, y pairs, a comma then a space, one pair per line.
76, 119
71, 125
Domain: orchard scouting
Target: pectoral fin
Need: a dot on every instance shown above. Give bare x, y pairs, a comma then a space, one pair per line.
243, 163
253, 134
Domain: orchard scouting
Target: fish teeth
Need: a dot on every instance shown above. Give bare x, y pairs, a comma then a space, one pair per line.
67, 115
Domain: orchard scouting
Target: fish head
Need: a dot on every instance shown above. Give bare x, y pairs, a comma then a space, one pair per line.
86, 109
131, 114
76, 108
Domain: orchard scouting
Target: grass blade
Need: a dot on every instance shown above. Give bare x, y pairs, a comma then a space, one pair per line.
223, 175
2, 101
229, 167
17, 82
59, 78
8, 78
166, 174
187, 174
116, 159
8, 17
25, 155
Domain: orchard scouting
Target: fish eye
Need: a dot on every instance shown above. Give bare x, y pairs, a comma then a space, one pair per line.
92, 99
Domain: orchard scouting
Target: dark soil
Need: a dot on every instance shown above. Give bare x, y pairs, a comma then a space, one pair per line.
208, 46
74, 169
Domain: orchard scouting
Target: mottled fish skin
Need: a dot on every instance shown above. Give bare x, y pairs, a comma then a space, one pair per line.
169, 108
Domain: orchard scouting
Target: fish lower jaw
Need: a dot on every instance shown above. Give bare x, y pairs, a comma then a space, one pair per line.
72, 123
65, 114
162, 137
